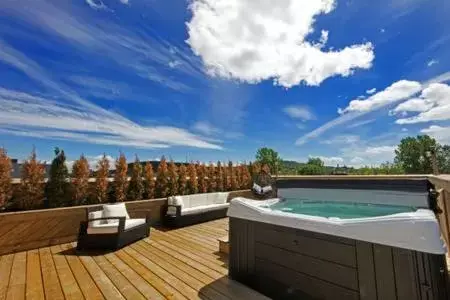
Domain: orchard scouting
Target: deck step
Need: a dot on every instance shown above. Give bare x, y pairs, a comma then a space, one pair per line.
224, 246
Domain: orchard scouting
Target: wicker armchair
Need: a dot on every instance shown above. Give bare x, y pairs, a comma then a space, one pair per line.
110, 232
264, 186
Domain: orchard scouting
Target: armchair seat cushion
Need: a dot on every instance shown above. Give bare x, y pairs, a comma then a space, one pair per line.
203, 208
113, 227
115, 210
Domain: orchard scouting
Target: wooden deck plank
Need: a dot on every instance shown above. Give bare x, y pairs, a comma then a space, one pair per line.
52, 287
160, 285
191, 281
215, 257
69, 285
5, 272
146, 289
171, 264
200, 258
182, 240
16, 287
195, 237
121, 282
34, 276
169, 278
87, 285
108, 289
229, 288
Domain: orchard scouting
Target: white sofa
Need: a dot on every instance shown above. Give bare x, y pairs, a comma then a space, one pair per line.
196, 208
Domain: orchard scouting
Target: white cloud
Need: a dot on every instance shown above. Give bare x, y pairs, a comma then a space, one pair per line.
258, 40
174, 64
27, 115
299, 112
327, 126
361, 123
397, 91
404, 129
432, 62
341, 140
371, 91
363, 154
93, 161
330, 160
412, 105
97, 4
444, 77
441, 134
432, 105
205, 128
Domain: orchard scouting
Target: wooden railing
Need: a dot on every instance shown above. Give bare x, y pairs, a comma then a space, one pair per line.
442, 186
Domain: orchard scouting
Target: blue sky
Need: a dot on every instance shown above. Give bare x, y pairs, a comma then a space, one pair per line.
215, 80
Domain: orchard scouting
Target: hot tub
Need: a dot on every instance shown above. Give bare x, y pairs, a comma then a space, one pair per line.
379, 251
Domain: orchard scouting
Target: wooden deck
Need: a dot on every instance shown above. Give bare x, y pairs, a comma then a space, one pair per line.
176, 264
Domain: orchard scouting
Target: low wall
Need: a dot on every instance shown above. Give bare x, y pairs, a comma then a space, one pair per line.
27, 230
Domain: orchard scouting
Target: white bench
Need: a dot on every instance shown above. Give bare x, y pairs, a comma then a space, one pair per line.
196, 208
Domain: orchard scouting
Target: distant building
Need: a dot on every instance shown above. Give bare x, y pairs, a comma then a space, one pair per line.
17, 168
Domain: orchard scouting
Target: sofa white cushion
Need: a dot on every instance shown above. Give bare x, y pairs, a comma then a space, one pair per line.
95, 215
114, 210
114, 226
203, 208
198, 200
219, 198
178, 200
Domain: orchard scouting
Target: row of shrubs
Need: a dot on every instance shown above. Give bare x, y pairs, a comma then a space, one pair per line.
64, 189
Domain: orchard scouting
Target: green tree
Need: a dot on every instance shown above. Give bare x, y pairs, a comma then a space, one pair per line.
267, 156
314, 166
57, 190
136, 185
316, 162
414, 154
443, 157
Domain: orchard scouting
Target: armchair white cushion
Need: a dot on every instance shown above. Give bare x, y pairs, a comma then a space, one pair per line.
115, 210
95, 215
114, 226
